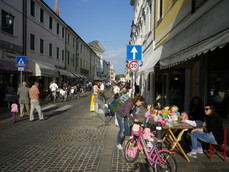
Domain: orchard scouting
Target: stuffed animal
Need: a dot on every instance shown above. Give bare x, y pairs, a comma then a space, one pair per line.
147, 134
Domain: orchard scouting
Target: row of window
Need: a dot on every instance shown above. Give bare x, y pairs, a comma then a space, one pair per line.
42, 43
32, 13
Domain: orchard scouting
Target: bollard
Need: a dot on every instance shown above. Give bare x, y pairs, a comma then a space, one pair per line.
159, 135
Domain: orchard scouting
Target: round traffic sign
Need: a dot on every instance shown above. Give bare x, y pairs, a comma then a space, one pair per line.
133, 66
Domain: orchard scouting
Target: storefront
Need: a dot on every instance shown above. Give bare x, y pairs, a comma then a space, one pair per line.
10, 76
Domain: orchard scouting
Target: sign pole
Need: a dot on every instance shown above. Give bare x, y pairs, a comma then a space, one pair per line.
134, 80
21, 78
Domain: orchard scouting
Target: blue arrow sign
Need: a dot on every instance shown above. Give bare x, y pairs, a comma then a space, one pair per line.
134, 52
21, 61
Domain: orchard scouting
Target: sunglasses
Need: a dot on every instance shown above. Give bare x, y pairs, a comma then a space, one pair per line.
207, 109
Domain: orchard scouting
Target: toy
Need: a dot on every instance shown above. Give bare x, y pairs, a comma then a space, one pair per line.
184, 116
165, 112
173, 114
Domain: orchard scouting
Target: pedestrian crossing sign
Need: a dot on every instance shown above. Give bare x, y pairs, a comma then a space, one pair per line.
21, 61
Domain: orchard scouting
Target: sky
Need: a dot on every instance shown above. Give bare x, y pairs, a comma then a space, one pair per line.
108, 21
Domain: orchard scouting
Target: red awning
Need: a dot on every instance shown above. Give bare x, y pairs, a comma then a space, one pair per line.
9, 67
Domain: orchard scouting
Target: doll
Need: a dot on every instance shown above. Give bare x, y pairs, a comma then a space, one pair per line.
149, 114
173, 114
150, 138
183, 116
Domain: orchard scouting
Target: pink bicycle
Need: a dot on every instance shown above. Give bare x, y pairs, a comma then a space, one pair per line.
159, 160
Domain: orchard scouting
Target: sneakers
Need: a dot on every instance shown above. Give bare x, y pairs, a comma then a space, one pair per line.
199, 151
119, 146
192, 154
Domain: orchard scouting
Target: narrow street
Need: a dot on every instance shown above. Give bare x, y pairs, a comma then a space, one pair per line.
75, 139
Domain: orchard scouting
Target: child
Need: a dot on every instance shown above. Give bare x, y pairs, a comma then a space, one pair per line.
14, 110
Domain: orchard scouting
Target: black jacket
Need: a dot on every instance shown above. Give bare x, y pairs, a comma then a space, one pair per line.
214, 124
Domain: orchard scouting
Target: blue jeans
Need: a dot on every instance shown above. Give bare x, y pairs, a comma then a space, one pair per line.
124, 128
200, 135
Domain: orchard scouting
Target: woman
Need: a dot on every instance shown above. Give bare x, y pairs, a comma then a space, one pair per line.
212, 132
126, 112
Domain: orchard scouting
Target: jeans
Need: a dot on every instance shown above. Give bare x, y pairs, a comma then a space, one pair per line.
200, 135
35, 105
124, 128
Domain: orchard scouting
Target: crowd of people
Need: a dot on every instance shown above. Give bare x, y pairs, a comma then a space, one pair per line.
26, 99
208, 126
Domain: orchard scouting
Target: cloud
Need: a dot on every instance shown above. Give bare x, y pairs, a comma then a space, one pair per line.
116, 58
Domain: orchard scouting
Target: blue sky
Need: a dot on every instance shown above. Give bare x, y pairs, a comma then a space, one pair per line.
108, 21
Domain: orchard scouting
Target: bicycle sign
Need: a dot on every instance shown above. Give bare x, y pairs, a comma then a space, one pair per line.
133, 66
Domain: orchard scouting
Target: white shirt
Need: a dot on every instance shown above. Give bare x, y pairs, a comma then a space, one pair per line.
102, 87
53, 87
116, 89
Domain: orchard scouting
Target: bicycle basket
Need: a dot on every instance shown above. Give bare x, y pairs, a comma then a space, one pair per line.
136, 130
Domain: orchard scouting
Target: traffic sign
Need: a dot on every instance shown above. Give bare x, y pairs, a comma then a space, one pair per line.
134, 52
133, 66
21, 61
140, 62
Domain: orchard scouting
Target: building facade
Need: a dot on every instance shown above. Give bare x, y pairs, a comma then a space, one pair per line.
185, 45
53, 49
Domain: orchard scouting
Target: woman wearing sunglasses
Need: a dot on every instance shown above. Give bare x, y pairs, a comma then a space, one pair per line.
211, 132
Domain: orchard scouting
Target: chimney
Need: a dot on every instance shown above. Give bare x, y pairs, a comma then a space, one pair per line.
56, 8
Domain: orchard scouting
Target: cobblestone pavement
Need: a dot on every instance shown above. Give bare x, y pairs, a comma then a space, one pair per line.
74, 139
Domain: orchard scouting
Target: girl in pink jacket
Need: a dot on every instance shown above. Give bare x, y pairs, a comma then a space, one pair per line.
14, 110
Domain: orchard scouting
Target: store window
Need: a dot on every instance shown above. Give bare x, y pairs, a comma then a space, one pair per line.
218, 81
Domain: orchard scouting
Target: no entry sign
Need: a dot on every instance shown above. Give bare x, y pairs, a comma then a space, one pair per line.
133, 66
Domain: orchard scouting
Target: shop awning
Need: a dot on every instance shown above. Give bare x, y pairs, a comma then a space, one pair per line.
43, 69
210, 44
152, 57
10, 67
66, 73
76, 75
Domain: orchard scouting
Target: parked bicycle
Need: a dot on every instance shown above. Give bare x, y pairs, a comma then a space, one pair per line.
48, 98
159, 160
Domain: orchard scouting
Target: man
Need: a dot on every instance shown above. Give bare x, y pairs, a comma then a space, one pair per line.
23, 93
78, 90
35, 103
53, 87
102, 86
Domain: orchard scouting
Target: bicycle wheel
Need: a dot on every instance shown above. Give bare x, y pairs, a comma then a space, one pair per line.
165, 162
131, 151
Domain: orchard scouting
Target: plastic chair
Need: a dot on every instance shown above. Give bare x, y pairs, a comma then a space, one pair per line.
215, 148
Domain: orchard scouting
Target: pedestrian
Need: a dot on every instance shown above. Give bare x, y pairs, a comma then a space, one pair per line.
136, 89
23, 93
53, 87
102, 86
211, 132
125, 116
35, 102
78, 90
14, 110
95, 89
